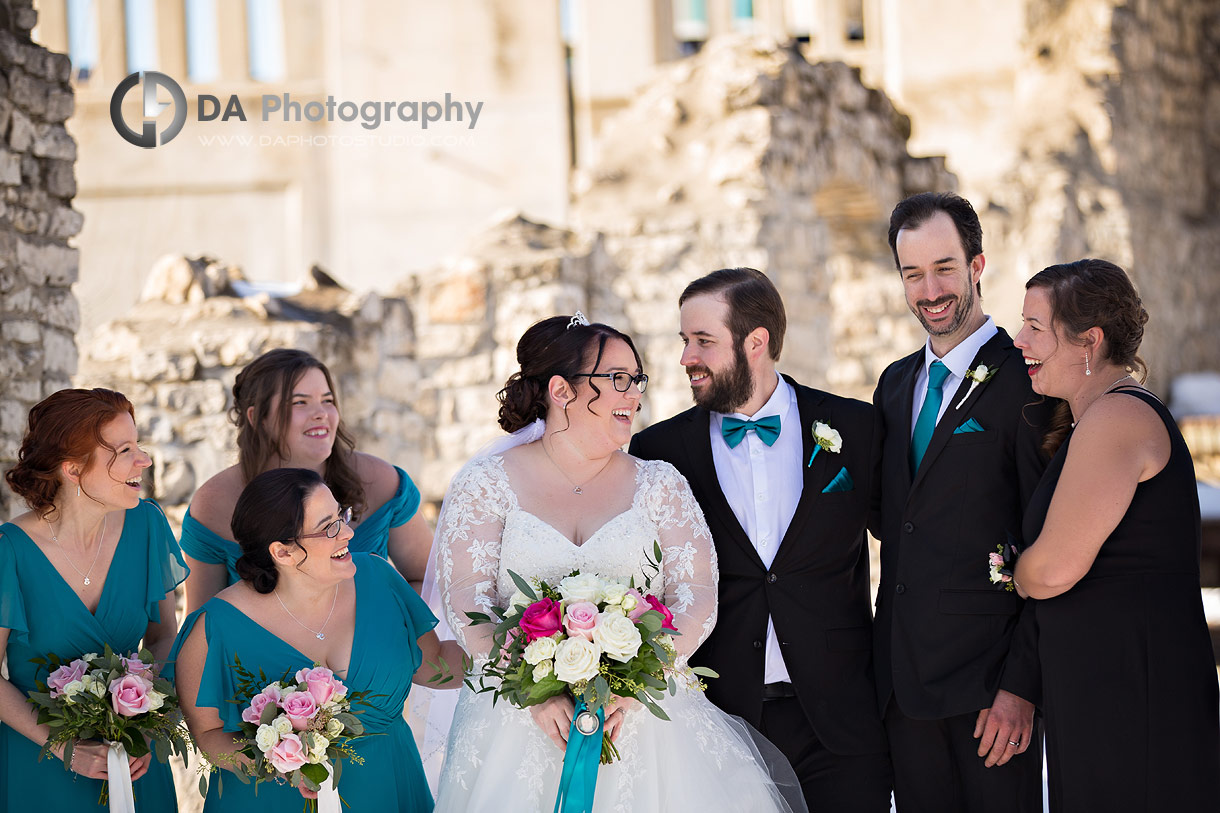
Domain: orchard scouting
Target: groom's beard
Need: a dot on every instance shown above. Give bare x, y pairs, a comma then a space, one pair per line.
729, 389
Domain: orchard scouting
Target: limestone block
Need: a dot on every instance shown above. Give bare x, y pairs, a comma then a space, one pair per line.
50, 262
195, 398
443, 341
158, 364
13, 417
59, 352
64, 222
460, 299
27, 91
60, 309
154, 428
10, 168
173, 478
60, 105
60, 179
53, 141
21, 302
21, 331
26, 390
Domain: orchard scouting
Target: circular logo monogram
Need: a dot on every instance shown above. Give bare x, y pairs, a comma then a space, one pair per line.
148, 137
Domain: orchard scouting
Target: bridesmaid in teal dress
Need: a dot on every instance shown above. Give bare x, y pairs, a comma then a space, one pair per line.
90, 564
304, 597
287, 414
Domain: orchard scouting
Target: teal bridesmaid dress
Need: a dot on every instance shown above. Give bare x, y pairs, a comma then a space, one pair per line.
389, 619
372, 535
43, 614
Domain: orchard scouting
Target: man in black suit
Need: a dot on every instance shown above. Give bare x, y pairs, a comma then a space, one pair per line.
787, 512
957, 672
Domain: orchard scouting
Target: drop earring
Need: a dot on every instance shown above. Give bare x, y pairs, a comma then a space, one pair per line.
1087, 371
78, 489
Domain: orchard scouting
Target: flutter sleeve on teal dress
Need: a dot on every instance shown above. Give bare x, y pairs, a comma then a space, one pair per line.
44, 615
203, 545
390, 617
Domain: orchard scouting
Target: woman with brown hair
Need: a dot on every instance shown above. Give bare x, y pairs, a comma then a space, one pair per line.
1129, 680
286, 411
89, 565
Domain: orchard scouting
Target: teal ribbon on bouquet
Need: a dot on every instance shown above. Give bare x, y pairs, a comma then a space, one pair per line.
580, 763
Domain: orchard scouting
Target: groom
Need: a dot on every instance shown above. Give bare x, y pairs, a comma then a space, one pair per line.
787, 514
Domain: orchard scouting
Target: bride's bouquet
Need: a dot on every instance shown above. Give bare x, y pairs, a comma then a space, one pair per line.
120, 700
589, 636
297, 730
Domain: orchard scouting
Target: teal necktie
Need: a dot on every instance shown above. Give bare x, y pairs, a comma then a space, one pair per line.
734, 429
926, 422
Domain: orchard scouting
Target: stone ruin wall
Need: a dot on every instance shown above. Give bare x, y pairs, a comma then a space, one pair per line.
39, 314
1121, 104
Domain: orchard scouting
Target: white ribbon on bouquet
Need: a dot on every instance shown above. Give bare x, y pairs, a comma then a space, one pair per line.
118, 773
328, 794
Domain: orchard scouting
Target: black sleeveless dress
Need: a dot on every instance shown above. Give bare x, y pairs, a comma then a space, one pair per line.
1128, 673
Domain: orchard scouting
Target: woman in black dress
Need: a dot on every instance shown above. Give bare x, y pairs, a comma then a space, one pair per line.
1129, 677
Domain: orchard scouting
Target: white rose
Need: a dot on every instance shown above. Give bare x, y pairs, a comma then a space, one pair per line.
979, 373
827, 437
613, 592
318, 746
96, 685
618, 637
334, 728
542, 669
629, 602
88, 656
519, 600
614, 609
73, 688
266, 738
540, 650
282, 725
155, 700
584, 587
576, 659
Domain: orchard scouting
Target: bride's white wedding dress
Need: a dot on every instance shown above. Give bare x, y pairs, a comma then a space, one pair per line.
498, 759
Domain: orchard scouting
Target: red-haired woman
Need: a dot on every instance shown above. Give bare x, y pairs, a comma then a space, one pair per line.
89, 565
287, 414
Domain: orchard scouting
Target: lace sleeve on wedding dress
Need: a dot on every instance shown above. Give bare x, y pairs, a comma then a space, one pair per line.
689, 557
468, 535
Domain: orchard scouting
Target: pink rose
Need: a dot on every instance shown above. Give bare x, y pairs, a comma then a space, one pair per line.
300, 708
321, 683
540, 620
641, 606
253, 713
135, 666
129, 695
667, 618
65, 674
288, 754
580, 619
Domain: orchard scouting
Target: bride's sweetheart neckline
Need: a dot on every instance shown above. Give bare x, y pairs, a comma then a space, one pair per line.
564, 536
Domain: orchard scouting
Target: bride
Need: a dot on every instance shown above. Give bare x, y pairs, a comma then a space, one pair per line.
563, 497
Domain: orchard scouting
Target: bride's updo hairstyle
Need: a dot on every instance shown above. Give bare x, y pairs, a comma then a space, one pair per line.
1087, 294
555, 346
271, 508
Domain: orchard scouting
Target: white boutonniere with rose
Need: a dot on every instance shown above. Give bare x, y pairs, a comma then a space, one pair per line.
979, 375
824, 437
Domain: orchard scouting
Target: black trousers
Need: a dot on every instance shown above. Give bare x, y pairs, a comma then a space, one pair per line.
937, 768
831, 783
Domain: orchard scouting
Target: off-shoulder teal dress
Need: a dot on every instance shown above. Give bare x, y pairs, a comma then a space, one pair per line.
372, 535
43, 614
390, 617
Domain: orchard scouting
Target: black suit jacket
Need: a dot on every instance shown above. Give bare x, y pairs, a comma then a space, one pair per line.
947, 638
817, 589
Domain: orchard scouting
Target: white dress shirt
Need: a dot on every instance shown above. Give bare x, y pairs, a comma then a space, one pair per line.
957, 360
763, 485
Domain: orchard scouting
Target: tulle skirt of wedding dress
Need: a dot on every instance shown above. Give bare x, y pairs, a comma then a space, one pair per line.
702, 759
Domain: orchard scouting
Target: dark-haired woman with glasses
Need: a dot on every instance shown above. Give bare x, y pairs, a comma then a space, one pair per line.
300, 596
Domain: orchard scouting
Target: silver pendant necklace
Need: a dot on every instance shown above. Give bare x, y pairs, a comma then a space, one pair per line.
576, 488
100, 539
317, 633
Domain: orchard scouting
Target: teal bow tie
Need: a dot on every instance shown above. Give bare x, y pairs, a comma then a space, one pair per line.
734, 430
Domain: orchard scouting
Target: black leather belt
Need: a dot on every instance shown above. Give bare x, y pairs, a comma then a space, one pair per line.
778, 691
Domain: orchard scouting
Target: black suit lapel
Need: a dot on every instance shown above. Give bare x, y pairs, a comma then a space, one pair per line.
993, 354
697, 445
809, 404
907, 399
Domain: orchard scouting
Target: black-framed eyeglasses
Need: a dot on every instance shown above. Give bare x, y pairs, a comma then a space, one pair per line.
622, 381
332, 530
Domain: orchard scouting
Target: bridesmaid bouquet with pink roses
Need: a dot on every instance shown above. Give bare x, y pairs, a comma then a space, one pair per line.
592, 637
120, 700
297, 730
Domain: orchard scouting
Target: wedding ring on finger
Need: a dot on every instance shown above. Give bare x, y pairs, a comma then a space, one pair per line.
1015, 744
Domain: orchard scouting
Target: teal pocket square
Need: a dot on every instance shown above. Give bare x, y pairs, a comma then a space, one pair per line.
969, 426
842, 482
